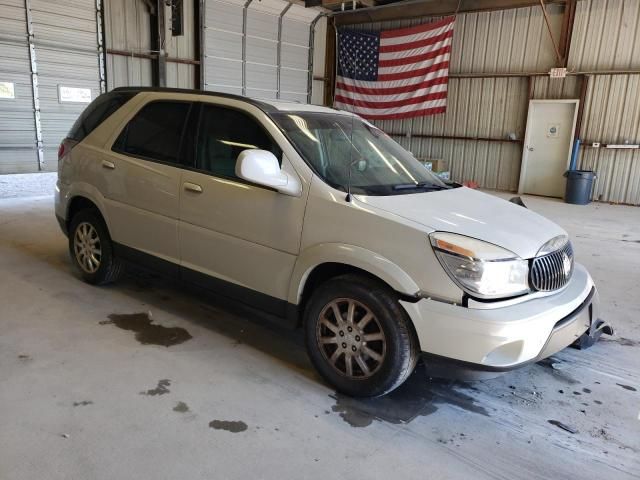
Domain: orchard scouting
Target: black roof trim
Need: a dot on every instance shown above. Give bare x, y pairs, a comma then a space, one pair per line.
264, 106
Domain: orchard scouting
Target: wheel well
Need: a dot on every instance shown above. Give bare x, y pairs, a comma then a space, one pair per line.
77, 204
327, 271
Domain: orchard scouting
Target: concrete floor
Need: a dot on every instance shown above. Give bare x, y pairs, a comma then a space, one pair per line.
82, 398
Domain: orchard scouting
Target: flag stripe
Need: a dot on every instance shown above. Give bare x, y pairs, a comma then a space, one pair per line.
392, 83
413, 73
392, 97
367, 112
393, 62
412, 52
392, 90
410, 45
416, 42
413, 113
414, 67
403, 32
395, 103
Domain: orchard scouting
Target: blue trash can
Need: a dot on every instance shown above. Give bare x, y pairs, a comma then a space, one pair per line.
579, 185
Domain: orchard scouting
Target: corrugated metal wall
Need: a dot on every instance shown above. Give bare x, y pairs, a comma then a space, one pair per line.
17, 127
606, 36
509, 41
127, 28
252, 58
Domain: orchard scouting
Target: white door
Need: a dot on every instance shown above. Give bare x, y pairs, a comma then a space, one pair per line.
547, 146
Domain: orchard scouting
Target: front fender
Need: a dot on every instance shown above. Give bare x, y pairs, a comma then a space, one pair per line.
352, 255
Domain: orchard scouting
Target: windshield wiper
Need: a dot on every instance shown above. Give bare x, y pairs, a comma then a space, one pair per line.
421, 185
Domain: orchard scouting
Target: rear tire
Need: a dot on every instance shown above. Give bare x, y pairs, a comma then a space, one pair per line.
372, 333
91, 248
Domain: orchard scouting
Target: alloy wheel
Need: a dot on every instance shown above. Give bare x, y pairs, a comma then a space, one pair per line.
87, 248
350, 338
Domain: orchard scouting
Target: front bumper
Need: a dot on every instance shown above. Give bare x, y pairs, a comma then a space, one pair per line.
503, 338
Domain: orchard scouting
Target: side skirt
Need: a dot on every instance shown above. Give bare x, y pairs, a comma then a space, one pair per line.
271, 308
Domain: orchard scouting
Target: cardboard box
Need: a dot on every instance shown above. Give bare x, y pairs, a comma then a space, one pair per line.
435, 165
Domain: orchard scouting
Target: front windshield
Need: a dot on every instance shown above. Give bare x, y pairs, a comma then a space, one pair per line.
343, 149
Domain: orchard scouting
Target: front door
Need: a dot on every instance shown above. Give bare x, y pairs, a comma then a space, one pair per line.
240, 238
547, 146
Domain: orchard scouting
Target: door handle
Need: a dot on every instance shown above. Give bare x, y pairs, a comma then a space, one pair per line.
531, 149
192, 187
108, 164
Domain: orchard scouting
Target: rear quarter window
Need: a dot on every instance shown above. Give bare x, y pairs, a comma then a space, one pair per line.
97, 112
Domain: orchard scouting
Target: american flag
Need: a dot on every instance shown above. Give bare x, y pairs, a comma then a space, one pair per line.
395, 73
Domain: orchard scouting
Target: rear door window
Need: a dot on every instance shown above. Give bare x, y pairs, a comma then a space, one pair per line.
156, 132
224, 133
97, 112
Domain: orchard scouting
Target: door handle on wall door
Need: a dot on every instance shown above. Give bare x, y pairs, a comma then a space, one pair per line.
108, 164
192, 187
531, 149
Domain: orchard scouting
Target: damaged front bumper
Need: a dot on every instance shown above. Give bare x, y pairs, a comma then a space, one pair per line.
468, 343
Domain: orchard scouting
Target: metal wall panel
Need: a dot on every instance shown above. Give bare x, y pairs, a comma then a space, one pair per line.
612, 107
127, 28
181, 75
606, 35
477, 107
507, 41
17, 127
556, 88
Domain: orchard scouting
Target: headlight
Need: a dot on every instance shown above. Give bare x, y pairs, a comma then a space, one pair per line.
481, 269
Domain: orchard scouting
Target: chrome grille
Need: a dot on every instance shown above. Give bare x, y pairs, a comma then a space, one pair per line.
552, 271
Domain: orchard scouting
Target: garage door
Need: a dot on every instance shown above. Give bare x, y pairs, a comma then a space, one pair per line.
66, 44
258, 48
49, 71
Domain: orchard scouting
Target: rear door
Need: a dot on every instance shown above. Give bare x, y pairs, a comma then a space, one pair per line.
142, 172
239, 238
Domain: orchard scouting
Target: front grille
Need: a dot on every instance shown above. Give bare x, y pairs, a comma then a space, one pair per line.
552, 271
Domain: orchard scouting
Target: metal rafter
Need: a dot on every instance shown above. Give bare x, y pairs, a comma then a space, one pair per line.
553, 40
426, 8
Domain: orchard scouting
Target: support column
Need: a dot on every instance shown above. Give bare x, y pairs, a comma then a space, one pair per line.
244, 46
34, 85
101, 49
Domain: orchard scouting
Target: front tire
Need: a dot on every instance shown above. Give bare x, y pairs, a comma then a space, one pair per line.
358, 336
91, 249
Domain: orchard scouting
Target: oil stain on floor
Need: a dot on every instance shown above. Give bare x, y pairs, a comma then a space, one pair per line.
161, 389
232, 426
418, 396
181, 407
148, 333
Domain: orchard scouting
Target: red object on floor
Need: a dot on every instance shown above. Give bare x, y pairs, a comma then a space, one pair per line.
470, 184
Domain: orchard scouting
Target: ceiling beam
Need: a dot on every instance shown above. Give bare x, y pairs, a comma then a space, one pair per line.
429, 8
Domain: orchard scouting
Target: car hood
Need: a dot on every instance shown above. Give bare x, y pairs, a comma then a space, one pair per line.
474, 214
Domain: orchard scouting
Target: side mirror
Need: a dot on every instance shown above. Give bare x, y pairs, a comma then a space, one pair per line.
261, 167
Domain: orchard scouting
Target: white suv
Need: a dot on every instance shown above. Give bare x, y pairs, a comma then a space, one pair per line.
317, 217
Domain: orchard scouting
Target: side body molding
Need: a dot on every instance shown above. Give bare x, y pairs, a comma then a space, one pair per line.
352, 255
